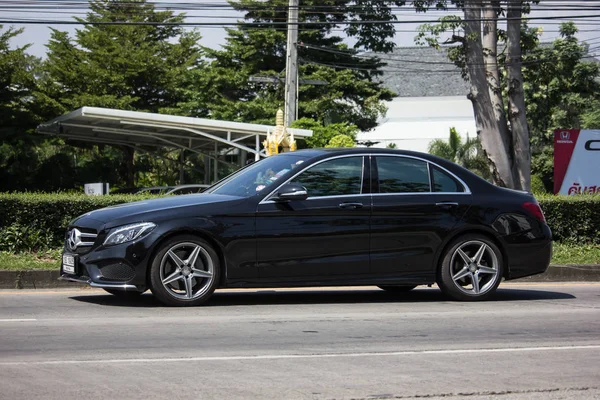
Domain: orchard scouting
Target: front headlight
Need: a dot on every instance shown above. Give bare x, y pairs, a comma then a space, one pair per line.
128, 233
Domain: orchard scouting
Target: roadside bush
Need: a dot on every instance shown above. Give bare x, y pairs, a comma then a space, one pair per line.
537, 185
15, 238
573, 219
37, 221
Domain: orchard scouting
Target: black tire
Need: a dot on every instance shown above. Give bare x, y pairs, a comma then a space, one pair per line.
454, 265
176, 292
397, 289
123, 294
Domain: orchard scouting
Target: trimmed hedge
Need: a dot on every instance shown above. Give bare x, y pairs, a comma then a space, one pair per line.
573, 219
34, 221
37, 221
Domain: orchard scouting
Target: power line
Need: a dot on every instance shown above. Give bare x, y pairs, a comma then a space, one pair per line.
278, 23
392, 58
527, 62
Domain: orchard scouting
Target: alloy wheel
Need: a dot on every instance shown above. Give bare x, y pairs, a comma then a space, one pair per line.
186, 271
474, 268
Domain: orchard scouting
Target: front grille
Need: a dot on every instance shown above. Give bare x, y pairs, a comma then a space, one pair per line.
80, 240
117, 272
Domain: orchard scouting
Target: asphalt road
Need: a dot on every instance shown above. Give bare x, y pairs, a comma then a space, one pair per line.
534, 341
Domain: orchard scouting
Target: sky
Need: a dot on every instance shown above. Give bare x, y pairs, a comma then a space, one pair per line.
38, 35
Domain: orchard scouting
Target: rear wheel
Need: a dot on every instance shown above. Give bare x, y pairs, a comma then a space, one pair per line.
471, 268
184, 271
397, 289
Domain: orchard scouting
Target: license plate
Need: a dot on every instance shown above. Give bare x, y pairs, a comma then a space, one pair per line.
68, 264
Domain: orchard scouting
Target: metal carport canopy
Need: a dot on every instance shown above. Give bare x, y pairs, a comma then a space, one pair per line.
146, 131
141, 129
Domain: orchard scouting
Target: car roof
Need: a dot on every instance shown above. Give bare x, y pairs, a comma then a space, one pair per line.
361, 150
369, 150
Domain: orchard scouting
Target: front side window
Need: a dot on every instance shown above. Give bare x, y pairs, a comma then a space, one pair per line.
402, 175
341, 176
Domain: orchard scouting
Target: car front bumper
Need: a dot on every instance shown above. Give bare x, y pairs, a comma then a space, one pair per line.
119, 267
103, 285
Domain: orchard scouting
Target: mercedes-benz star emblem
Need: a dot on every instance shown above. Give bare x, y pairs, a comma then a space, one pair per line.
74, 238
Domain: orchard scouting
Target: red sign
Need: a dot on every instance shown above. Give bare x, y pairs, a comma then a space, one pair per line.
576, 161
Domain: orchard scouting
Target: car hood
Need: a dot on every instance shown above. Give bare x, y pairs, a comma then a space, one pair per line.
144, 210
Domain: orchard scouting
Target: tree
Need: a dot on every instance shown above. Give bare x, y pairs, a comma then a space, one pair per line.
17, 83
130, 67
466, 154
323, 136
499, 115
18, 119
341, 141
562, 90
352, 92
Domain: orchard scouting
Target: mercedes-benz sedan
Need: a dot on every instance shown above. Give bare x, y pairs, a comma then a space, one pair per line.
395, 219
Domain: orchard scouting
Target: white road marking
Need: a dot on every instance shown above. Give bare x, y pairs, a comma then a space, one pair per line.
18, 319
300, 356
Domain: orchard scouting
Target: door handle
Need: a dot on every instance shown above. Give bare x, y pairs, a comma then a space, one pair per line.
446, 204
351, 205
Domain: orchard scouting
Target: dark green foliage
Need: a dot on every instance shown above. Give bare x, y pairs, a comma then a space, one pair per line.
562, 90
352, 94
18, 111
129, 67
17, 84
537, 185
573, 219
34, 221
467, 154
332, 135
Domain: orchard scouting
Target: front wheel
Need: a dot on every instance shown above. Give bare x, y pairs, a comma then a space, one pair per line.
184, 271
471, 268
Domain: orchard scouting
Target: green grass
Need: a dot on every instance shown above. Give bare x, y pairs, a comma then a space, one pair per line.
563, 254
30, 261
572, 254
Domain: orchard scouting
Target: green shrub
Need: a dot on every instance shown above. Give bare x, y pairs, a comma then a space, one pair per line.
537, 185
37, 221
17, 237
573, 219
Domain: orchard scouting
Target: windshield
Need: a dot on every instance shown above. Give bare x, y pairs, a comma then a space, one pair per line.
258, 176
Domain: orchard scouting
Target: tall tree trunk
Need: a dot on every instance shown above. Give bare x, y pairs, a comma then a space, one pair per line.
492, 70
494, 140
516, 98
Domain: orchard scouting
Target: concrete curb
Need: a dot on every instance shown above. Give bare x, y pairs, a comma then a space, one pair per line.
43, 279
566, 273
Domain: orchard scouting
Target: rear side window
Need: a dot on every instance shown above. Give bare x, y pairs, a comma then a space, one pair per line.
442, 182
402, 175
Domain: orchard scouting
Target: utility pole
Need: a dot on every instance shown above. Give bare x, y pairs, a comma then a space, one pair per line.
291, 65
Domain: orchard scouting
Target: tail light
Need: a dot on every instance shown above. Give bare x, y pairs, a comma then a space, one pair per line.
534, 209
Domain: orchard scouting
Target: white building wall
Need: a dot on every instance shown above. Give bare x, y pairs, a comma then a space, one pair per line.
413, 122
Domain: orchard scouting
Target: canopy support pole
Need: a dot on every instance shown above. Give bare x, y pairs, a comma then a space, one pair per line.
181, 164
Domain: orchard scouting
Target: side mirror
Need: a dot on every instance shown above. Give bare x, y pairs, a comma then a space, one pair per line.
291, 192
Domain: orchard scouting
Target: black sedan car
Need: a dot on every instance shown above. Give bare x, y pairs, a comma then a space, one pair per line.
395, 219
